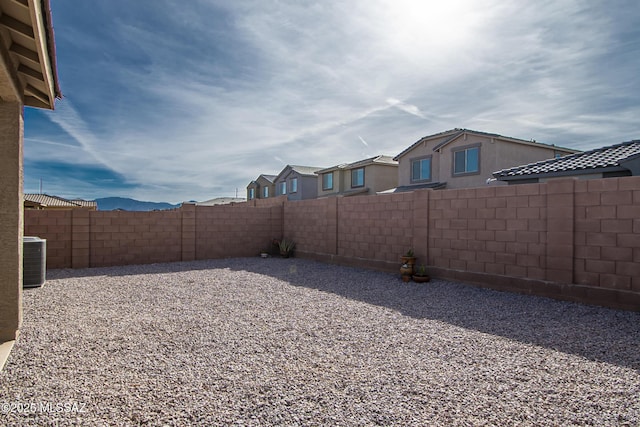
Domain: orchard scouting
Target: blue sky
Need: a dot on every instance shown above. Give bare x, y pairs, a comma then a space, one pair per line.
171, 100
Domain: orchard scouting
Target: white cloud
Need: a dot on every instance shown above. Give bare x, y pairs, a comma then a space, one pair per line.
200, 98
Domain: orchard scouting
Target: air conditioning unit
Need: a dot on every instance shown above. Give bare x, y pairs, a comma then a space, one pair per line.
34, 262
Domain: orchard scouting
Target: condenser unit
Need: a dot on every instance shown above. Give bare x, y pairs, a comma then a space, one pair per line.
34, 266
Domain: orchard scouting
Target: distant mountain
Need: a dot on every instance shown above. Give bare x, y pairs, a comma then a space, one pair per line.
123, 203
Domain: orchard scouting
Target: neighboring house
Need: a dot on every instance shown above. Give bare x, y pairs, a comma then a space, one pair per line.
44, 201
462, 158
221, 201
297, 182
607, 162
262, 188
367, 176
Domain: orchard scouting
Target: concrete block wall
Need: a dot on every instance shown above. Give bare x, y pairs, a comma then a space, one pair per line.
567, 239
55, 226
492, 230
232, 231
312, 225
82, 238
378, 228
362, 231
121, 238
607, 233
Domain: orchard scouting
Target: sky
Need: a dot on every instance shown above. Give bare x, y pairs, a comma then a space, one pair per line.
173, 100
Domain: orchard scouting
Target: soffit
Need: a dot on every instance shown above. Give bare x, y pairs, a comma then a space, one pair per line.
28, 53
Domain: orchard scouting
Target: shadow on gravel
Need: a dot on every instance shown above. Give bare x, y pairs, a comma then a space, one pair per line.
595, 333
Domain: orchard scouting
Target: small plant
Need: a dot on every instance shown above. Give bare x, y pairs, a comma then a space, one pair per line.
421, 270
409, 253
286, 247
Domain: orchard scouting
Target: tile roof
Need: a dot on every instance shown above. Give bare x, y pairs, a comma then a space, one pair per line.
86, 203
59, 202
405, 188
603, 159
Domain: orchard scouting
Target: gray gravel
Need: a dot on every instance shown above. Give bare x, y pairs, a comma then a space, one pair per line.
274, 341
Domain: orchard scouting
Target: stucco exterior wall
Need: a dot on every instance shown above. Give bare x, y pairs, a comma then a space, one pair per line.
379, 177
11, 219
338, 184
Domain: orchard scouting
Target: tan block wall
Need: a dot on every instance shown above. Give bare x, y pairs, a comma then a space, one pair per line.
55, 227
228, 231
607, 233
567, 239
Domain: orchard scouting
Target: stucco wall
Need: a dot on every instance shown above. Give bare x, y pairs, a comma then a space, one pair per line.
11, 219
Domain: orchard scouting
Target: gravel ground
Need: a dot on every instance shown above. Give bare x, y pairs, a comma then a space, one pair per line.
274, 341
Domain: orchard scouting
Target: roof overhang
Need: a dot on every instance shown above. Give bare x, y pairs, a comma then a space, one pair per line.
559, 174
28, 71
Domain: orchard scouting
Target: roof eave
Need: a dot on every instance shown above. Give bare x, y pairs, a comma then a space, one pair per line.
557, 174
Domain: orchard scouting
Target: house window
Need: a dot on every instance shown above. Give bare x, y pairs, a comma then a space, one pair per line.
293, 185
265, 192
327, 181
421, 169
252, 193
466, 160
283, 187
357, 177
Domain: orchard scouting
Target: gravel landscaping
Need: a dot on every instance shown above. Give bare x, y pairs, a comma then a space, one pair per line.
251, 341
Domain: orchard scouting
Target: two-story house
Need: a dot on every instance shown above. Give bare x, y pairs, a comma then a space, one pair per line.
262, 188
462, 158
297, 182
367, 176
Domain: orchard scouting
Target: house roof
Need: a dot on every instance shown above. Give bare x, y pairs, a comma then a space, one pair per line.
58, 202
405, 188
85, 203
269, 178
606, 159
300, 170
382, 160
456, 133
29, 53
221, 201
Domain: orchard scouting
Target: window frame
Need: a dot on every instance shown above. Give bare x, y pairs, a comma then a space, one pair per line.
283, 188
327, 174
252, 193
293, 185
353, 171
465, 150
420, 159
265, 192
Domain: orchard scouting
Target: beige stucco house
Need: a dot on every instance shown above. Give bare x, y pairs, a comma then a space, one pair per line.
367, 176
28, 77
462, 158
262, 188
